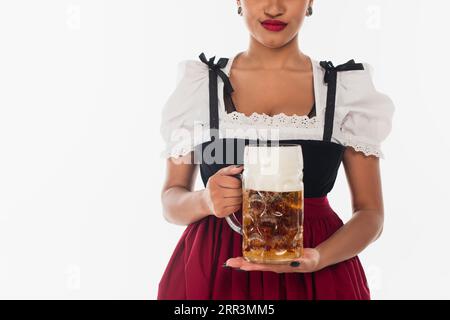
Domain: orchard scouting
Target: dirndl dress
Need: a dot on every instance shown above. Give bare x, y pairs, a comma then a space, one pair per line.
195, 270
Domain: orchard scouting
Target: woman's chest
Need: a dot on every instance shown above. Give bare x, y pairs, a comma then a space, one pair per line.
272, 92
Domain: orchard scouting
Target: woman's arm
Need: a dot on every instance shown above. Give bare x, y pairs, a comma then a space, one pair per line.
182, 206
366, 224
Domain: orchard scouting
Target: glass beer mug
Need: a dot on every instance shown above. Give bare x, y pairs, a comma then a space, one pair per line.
272, 204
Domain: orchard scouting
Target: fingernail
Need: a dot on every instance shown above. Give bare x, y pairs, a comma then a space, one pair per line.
239, 269
295, 264
225, 265
239, 165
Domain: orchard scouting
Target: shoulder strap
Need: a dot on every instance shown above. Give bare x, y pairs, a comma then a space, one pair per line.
330, 79
214, 71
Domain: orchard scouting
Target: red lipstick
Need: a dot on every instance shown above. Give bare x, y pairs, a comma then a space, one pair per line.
274, 25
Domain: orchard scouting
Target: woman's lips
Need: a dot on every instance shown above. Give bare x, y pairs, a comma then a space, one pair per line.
274, 25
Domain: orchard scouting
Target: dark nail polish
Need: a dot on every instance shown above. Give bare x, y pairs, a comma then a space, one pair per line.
225, 266
295, 264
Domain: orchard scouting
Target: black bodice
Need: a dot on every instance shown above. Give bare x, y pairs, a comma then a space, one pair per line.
321, 158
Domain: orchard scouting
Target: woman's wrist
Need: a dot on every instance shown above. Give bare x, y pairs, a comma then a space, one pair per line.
322, 258
204, 203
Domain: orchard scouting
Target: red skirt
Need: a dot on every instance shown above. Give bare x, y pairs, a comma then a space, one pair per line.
195, 269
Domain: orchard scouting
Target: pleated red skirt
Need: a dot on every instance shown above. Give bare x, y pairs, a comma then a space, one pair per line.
195, 270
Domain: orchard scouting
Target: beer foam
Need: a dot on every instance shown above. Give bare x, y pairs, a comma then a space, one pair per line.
273, 168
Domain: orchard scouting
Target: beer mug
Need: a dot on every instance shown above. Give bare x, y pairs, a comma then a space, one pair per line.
272, 204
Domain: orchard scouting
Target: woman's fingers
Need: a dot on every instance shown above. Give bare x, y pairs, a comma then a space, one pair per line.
229, 182
235, 262
230, 170
223, 192
241, 263
232, 193
232, 201
228, 210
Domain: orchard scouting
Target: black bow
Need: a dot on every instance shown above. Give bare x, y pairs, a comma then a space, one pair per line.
331, 80
329, 68
216, 67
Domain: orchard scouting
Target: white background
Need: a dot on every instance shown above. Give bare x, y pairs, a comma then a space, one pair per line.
82, 84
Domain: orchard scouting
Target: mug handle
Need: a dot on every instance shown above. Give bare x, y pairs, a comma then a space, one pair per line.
231, 219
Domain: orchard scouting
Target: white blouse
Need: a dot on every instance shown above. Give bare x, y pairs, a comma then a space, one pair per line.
362, 118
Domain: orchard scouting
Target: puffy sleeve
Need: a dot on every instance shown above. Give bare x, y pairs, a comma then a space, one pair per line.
363, 114
185, 114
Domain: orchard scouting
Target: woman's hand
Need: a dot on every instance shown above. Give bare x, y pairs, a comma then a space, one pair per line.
222, 195
309, 262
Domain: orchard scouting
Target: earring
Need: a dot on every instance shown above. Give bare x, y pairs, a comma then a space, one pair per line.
309, 12
240, 10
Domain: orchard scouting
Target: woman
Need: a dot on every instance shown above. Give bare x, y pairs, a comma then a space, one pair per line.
272, 85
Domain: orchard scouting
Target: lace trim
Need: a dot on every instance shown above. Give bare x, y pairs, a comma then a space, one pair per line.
177, 151
278, 120
365, 148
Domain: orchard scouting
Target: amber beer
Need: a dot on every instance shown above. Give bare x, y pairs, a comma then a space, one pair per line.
272, 225
272, 206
